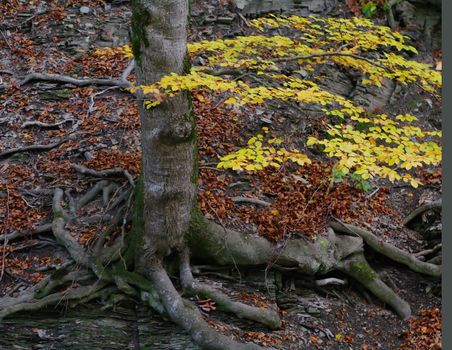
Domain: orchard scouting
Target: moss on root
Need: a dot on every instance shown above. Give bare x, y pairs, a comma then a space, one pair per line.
135, 237
364, 272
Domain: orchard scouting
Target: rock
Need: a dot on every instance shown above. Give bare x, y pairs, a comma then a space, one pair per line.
84, 10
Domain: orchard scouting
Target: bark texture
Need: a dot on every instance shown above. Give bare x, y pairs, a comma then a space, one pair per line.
168, 132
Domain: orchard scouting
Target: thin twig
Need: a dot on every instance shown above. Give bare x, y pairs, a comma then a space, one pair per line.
58, 78
5, 226
32, 148
250, 200
329, 54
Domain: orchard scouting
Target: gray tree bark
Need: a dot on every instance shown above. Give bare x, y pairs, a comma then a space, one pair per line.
168, 131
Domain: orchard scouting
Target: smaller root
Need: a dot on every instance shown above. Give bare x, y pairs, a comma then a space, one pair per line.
59, 278
52, 299
32, 148
104, 173
58, 78
268, 317
250, 200
19, 234
329, 281
91, 194
189, 318
357, 267
63, 236
428, 206
389, 250
422, 254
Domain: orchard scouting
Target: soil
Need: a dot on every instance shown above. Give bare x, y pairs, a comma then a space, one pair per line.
104, 125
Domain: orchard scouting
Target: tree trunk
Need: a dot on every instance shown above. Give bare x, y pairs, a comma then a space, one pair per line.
168, 130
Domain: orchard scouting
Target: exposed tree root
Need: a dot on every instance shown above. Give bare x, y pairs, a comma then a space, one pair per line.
389, 250
357, 267
250, 200
428, 206
104, 173
19, 234
268, 317
32, 148
338, 252
58, 78
189, 318
52, 299
27, 124
102, 273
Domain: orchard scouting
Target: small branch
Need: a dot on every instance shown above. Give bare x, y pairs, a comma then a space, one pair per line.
32, 148
433, 250
428, 206
326, 281
250, 200
45, 125
389, 250
58, 78
104, 173
329, 54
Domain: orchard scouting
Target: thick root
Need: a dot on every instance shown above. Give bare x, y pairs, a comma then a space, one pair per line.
338, 252
389, 250
268, 317
428, 206
211, 241
31, 303
189, 318
357, 267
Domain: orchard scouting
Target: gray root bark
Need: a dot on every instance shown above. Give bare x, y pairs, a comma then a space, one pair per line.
357, 267
389, 250
58, 78
189, 318
268, 317
428, 206
208, 240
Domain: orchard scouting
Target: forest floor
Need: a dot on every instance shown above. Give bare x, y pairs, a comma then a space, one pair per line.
99, 128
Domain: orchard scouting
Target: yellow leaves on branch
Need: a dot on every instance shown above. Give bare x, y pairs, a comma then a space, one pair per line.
369, 146
384, 148
261, 153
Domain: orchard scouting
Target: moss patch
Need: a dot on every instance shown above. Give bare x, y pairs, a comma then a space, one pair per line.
140, 20
363, 272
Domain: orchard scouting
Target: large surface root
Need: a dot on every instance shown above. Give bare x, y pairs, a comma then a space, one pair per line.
189, 318
28, 302
336, 252
389, 250
268, 317
357, 267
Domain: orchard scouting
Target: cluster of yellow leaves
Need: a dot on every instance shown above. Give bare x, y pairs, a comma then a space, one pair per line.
260, 153
109, 52
356, 36
291, 88
385, 148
